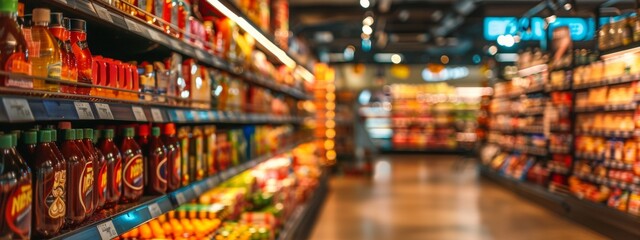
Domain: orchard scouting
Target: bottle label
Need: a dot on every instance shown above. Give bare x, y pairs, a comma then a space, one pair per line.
16, 64
83, 45
177, 170
18, 210
67, 46
134, 173
54, 70
118, 179
55, 199
86, 187
80, 187
102, 182
161, 171
142, 4
158, 8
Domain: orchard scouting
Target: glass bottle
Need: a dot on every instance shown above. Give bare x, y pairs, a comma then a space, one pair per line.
29, 142
14, 56
61, 35
88, 177
49, 178
147, 83
45, 54
76, 209
82, 53
133, 168
15, 194
156, 162
114, 167
174, 171
99, 170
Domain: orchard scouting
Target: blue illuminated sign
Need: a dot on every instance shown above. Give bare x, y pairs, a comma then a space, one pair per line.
582, 29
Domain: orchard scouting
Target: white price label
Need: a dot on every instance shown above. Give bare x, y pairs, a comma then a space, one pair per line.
138, 113
131, 25
200, 55
180, 116
180, 198
156, 114
107, 230
197, 190
103, 13
195, 115
84, 110
154, 210
17, 109
104, 111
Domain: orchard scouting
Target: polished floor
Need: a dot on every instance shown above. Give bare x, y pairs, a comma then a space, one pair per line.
423, 197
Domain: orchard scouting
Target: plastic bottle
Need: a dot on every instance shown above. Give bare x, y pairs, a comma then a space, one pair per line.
99, 170
183, 137
210, 149
88, 181
15, 54
82, 53
49, 206
76, 166
61, 35
174, 171
45, 56
54, 145
196, 157
15, 194
29, 142
147, 82
73, 67
142, 138
133, 167
155, 160
114, 167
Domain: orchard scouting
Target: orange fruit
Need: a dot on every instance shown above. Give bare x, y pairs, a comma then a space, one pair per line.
134, 233
166, 227
145, 231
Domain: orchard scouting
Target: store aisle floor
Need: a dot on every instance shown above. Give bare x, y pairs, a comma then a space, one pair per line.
422, 197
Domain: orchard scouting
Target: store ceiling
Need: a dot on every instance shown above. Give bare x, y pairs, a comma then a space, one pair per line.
421, 30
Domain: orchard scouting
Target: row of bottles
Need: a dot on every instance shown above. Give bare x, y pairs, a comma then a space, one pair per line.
60, 182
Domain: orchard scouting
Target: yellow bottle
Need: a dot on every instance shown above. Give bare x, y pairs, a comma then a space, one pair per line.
44, 52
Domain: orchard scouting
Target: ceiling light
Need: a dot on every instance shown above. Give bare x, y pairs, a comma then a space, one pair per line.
367, 29
368, 21
364, 3
568, 6
396, 58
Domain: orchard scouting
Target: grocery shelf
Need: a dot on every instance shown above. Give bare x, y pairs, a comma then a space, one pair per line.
620, 50
535, 89
607, 108
108, 227
608, 133
609, 182
606, 162
608, 221
536, 69
18, 108
105, 14
559, 150
550, 88
608, 82
301, 222
559, 169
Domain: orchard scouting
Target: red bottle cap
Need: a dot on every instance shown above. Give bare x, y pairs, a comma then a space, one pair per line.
169, 129
143, 130
64, 125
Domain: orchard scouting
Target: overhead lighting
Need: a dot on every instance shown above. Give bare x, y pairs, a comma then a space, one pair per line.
260, 38
388, 57
493, 50
368, 21
568, 6
506, 40
349, 53
396, 58
366, 29
365, 3
507, 57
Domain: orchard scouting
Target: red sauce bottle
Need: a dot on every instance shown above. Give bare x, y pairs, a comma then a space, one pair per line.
99, 171
73, 64
174, 172
54, 145
76, 167
49, 178
29, 142
88, 181
142, 138
15, 53
156, 162
132, 167
83, 56
114, 167
15, 192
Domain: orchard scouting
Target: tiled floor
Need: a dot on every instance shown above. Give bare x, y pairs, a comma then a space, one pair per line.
423, 197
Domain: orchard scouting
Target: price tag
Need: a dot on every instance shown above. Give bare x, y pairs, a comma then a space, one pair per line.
86, 5
154, 35
107, 230
180, 116
154, 210
103, 13
180, 198
195, 115
197, 190
224, 175
156, 114
131, 25
84, 110
175, 44
17, 109
138, 113
211, 116
104, 111
200, 55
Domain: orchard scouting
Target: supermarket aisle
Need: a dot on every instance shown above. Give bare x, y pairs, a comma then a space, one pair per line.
421, 197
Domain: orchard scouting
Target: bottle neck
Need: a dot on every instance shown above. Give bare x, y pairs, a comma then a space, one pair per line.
12, 15
78, 35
